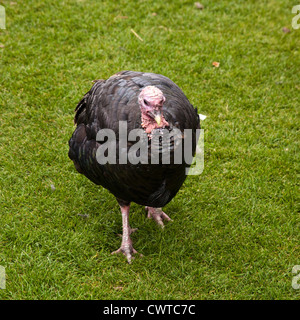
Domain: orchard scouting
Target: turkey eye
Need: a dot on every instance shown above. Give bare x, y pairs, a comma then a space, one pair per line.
146, 102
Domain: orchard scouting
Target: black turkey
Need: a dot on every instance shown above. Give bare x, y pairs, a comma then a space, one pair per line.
153, 104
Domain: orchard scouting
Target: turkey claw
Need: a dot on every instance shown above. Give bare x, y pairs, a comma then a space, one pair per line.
127, 251
157, 215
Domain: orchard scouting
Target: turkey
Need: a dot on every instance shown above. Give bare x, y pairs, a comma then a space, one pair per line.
153, 104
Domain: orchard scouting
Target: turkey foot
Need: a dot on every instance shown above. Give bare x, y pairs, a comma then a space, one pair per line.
157, 215
127, 249
126, 245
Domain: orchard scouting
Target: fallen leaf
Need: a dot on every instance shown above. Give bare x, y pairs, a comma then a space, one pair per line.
199, 6
2, 45
118, 288
154, 14
286, 30
216, 64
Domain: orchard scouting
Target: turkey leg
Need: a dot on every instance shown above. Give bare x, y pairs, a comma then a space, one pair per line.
126, 245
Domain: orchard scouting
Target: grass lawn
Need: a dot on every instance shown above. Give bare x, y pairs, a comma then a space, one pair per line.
235, 233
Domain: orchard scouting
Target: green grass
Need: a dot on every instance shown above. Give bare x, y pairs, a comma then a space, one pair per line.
235, 233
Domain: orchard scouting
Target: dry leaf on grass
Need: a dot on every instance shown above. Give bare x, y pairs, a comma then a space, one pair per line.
118, 288
286, 30
199, 6
216, 64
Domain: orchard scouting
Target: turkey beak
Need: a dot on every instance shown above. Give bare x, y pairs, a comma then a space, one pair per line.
157, 118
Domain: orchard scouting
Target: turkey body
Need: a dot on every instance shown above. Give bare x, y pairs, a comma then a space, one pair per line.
103, 107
